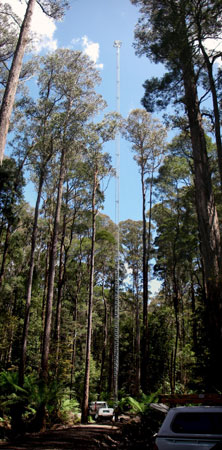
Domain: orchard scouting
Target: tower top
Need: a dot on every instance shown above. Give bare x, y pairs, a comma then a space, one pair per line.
117, 44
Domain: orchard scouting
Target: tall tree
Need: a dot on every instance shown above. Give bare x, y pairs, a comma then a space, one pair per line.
147, 136
131, 241
74, 79
98, 166
36, 140
104, 276
205, 23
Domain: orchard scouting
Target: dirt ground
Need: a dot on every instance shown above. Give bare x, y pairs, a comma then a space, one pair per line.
78, 437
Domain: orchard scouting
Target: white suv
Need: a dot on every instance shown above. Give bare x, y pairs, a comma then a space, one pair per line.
95, 406
191, 428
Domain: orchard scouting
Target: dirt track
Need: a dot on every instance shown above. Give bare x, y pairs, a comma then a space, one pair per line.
79, 437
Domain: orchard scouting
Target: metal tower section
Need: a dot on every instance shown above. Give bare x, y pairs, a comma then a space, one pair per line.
117, 45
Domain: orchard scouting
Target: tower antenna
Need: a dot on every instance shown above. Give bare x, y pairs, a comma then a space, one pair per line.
117, 45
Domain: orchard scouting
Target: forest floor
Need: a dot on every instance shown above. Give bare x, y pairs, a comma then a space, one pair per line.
78, 437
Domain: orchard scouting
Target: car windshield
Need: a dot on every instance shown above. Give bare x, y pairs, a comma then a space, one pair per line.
198, 423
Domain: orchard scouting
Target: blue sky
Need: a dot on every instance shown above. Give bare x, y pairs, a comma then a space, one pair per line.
100, 22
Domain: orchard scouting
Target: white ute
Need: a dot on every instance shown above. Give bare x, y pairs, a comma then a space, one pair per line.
105, 414
191, 428
95, 406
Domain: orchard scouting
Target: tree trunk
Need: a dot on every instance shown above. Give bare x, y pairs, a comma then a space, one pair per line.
51, 275
13, 79
85, 402
150, 219
144, 340
61, 282
5, 251
73, 345
137, 346
59, 297
29, 287
105, 336
174, 356
208, 227
111, 345
194, 319
205, 204
75, 317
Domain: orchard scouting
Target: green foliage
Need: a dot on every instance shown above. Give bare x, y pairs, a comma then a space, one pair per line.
69, 410
161, 343
134, 406
60, 407
11, 184
10, 391
158, 92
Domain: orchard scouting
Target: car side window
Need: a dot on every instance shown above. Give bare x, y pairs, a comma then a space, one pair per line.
197, 423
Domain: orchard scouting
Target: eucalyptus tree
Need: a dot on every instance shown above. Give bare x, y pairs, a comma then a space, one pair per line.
75, 204
131, 241
75, 78
76, 290
205, 25
97, 166
165, 34
52, 8
32, 146
37, 141
104, 278
147, 136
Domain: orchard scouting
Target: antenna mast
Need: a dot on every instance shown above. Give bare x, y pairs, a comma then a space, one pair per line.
117, 45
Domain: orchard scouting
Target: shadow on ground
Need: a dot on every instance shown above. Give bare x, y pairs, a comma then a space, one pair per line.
79, 437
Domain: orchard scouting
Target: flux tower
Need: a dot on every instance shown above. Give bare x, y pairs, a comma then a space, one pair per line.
117, 45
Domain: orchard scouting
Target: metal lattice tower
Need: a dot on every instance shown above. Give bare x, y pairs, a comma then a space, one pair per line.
117, 45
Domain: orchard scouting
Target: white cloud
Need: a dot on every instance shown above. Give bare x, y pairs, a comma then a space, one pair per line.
90, 48
213, 46
155, 286
42, 26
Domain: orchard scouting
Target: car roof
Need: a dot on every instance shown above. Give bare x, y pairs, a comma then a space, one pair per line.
166, 429
202, 408
98, 402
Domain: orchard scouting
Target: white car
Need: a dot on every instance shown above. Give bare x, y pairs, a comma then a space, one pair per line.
95, 406
191, 428
105, 414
